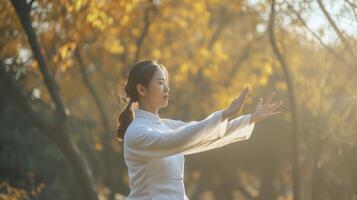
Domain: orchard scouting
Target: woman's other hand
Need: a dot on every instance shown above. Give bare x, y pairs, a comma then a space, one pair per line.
266, 110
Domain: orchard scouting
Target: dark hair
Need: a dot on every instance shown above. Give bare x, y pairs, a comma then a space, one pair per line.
141, 73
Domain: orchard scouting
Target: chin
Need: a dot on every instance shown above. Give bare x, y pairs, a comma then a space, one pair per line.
164, 105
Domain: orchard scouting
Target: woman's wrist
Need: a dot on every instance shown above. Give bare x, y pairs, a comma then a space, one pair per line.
253, 117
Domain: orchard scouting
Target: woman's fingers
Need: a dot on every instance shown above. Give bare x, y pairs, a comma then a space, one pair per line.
247, 88
245, 92
276, 105
275, 113
270, 97
238, 102
241, 98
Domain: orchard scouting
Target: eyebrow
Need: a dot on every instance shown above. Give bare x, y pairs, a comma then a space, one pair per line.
161, 79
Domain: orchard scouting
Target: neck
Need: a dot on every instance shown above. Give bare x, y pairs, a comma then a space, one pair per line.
148, 108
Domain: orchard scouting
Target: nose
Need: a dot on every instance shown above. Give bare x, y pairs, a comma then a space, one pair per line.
166, 88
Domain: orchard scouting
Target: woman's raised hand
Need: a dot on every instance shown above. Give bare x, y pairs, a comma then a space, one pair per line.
265, 110
236, 105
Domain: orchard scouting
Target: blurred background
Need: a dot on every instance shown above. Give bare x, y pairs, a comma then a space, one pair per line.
64, 63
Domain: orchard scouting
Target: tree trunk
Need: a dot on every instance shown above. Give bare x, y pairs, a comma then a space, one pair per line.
61, 137
294, 116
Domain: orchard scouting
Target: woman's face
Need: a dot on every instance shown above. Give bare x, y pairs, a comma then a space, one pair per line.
157, 92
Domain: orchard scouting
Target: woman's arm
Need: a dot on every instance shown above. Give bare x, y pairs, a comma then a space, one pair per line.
238, 129
145, 142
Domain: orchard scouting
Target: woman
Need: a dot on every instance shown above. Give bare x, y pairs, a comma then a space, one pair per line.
154, 147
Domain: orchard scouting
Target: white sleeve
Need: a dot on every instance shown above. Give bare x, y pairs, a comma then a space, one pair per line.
238, 129
145, 142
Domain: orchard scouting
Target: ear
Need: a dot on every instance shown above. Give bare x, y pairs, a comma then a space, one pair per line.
141, 89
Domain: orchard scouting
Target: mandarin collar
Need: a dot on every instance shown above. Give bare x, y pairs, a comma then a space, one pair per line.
147, 115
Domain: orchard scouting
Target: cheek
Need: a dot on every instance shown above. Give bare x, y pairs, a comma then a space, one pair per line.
156, 92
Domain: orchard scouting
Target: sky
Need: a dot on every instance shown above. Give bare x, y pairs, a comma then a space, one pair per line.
315, 19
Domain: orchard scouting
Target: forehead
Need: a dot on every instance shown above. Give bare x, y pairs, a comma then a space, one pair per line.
160, 74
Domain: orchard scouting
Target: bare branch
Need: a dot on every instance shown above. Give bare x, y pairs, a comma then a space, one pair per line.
336, 29
353, 5
353, 8
144, 32
329, 49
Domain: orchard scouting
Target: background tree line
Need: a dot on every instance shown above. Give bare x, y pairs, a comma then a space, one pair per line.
64, 63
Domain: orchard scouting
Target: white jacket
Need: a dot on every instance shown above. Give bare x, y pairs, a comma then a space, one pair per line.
154, 150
